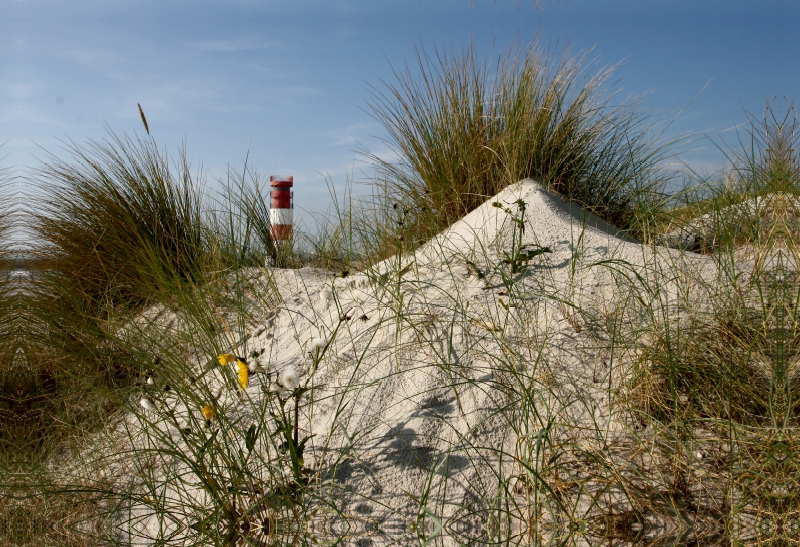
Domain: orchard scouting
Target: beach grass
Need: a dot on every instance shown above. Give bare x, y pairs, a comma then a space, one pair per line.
461, 127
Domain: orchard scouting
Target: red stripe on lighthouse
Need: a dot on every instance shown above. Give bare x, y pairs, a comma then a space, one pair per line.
280, 214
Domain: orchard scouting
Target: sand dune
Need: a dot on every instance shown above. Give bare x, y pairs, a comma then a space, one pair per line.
408, 411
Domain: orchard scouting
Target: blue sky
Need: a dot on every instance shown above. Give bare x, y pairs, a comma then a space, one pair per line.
289, 79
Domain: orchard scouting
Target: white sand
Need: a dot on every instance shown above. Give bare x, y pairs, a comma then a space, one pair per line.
412, 411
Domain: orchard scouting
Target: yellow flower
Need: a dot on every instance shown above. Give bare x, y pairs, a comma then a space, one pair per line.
244, 374
226, 358
208, 412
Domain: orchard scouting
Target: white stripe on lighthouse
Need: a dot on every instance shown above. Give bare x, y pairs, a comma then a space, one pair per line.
279, 217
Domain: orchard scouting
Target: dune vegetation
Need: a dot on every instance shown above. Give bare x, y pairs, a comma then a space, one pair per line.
525, 335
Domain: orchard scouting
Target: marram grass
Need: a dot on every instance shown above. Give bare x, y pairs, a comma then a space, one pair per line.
462, 127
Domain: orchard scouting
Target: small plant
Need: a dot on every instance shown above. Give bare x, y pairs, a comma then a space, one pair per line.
288, 429
288, 388
521, 254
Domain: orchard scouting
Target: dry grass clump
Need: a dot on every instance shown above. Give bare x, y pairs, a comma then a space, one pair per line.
6, 303
715, 419
7, 217
67, 376
30, 517
731, 360
110, 228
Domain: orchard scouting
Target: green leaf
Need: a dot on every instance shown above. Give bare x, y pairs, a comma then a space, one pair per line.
476, 270
302, 446
299, 392
250, 437
206, 446
437, 526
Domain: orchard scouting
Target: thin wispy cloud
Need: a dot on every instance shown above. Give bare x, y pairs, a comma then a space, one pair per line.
351, 135
235, 45
19, 91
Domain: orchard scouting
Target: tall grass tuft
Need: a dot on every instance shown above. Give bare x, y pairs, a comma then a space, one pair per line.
7, 331
114, 214
114, 226
6, 213
461, 128
767, 157
118, 228
754, 198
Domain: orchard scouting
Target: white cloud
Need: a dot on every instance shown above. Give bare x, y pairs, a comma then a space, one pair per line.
350, 135
19, 91
235, 45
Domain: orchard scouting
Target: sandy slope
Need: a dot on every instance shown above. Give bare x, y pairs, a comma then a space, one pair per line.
410, 414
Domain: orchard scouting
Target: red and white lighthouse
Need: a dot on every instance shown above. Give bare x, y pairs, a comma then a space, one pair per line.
281, 206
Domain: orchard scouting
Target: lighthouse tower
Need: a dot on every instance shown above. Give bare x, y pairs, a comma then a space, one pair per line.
280, 212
